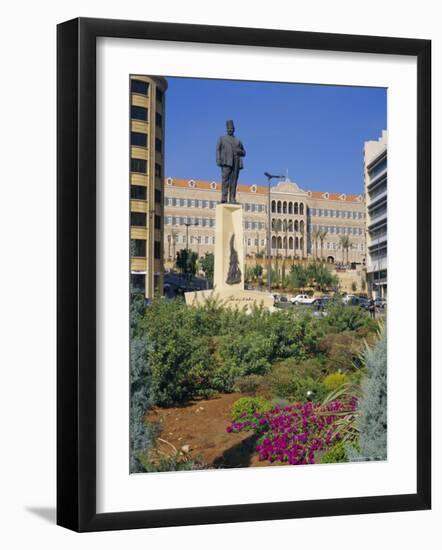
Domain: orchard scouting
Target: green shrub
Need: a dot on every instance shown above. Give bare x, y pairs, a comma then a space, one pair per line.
342, 350
341, 317
247, 406
372, 422
337, 453
285, 383
248, 384
245, 354
335, 380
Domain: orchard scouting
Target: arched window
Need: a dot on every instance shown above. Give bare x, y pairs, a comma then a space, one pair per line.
301, 226
296, 225
279, 224
301, 243
290, 225
279, 242
291, 243
296, 243
284, 207
273, 206
284, 243
273, 242
296, 208
301, 208
290, 208
279, 207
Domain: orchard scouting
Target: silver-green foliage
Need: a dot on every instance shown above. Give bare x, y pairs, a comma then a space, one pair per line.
141, 435
373, 407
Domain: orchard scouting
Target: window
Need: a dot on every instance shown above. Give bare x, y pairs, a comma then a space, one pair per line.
247, 207
206, 239
138, 139
158, 196
139, 87
138, 247
138, 165
138, 219
183, 202
158, 120
159, 95
301, 208
139, 113
138, 281
157, 221
168, 201
168, 220
138, 192
174, 202
158, 145
157, 250
158, 170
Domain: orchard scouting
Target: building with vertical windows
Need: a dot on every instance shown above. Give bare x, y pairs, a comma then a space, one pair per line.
147, 114
375, 178
298, 217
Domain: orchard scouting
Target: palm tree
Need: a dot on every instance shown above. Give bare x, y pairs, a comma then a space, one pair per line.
315, 237
174, 233
275, 228
322, 234
344, 241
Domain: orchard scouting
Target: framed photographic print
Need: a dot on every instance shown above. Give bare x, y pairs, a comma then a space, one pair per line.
243, 274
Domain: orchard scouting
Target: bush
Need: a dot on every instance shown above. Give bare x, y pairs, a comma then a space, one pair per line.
335, 380
336, 454
342, 350
341, 317
248, 406
248, 384
285, 383
373, 406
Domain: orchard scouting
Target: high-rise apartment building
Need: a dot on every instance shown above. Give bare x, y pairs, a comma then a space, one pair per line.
147, 116
375, 178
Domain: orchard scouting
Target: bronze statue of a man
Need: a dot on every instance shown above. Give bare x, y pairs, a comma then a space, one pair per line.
229, 153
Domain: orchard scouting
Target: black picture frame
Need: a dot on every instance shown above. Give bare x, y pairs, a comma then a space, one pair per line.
76, 274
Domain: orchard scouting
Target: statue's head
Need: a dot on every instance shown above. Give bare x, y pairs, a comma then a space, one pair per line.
230, 127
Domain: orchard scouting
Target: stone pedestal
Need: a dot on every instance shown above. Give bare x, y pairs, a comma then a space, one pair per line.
228, 233
229, 265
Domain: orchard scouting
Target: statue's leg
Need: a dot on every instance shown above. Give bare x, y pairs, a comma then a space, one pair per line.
225, 183
234, 181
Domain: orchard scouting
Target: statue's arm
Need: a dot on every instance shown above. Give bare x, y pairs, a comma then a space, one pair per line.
242, 151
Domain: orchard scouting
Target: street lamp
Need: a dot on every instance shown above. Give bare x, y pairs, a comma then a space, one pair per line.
269, 244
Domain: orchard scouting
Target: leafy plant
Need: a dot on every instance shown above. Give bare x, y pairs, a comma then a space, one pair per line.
335, 380
248, 406
248, 384
372, 421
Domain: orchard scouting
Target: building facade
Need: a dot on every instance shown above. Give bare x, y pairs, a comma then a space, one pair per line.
304, 224
147, 117
375, 180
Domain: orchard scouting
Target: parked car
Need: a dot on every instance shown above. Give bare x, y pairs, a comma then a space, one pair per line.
321, 303
357, 301
380, 302
302, 299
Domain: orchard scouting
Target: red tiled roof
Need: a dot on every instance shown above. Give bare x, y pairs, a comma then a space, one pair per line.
261, 190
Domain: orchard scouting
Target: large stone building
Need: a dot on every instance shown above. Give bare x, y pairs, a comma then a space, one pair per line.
304, 224
375, 178
147, 114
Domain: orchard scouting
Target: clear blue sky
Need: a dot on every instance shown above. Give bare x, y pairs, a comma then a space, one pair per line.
315, 132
